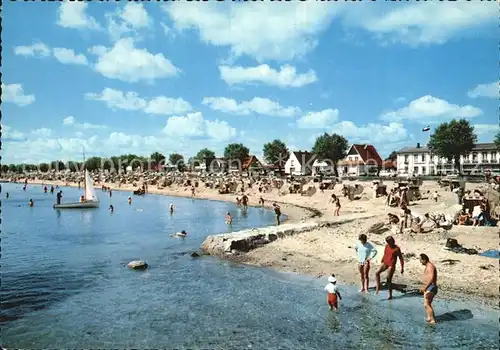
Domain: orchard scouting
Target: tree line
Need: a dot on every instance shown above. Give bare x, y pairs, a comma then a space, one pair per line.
450, 140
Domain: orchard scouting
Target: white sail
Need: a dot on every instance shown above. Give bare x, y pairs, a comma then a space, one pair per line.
90, 194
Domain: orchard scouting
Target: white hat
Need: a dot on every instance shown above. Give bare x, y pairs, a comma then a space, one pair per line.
332, 279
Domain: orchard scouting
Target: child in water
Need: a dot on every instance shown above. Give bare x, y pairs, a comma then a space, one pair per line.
31, 203
333, 293
171, 208
229, 218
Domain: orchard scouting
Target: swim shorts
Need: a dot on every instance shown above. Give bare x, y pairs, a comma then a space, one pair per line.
332, 300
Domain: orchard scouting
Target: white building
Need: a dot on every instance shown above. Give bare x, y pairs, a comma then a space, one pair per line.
361, 159
419, 160
300, 163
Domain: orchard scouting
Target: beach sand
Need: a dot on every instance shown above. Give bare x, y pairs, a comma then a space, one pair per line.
331, 250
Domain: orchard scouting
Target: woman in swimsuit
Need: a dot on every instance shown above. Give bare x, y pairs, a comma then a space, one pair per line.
365, 251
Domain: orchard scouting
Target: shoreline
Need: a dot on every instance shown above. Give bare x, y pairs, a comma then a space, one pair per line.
319, 252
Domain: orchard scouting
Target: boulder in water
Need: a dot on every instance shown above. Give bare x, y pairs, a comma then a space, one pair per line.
195, 255
137, 265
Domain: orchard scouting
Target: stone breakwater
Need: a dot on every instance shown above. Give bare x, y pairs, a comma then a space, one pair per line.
235, 243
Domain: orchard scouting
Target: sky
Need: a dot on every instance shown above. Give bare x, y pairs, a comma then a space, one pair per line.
138, 77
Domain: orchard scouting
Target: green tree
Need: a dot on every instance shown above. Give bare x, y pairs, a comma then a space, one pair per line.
276, 153
93, 163
392, 157
236, 152
5, 168
44, 167
331, 147
57, 165
157, 159
497, 140
453, 139
177, 160
205, 156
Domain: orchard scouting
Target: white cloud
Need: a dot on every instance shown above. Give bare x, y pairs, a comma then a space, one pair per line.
125, 62
486, 90
71, 121
11, 135
166, 105
268, 31
257, 105
68, 56
42, 132
318, 120
73, 15
486, 131
193, 125
429, 109
372, 132
14, 93
35, 50
286, 77
132, 101
421, 22
128, 19
65, 56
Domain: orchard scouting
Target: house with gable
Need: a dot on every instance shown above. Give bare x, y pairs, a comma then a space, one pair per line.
361, 159
300, 163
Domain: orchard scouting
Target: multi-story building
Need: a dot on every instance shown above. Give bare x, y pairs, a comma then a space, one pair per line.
420, 161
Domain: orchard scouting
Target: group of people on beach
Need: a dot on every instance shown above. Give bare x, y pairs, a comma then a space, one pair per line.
366, 252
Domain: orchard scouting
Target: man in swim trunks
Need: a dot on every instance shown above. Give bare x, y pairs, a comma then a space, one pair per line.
430, 288
277, 211
391, 254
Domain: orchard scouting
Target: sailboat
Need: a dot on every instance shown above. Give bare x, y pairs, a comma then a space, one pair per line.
90, 199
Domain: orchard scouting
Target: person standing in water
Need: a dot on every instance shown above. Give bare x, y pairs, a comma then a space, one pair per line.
110, 193
129, 200
244, 202
277, 211
229, 218
31, 203
7, 195
430, 288
365, 251
333, 293
391, 254
59, 196
171, 208
111, 208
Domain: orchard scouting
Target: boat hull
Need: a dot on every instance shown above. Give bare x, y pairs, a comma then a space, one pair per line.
79, 205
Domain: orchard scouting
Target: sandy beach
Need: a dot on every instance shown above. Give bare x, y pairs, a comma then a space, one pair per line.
331, 250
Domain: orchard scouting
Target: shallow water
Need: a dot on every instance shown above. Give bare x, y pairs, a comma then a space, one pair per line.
64, 285
491, 254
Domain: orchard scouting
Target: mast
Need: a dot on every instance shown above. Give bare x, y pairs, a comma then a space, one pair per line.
84, 177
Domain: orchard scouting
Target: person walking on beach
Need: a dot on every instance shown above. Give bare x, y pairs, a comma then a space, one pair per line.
336, 212
193, 193
333, 293
365, 251
391, 254
277, 211
430, 288
261, 201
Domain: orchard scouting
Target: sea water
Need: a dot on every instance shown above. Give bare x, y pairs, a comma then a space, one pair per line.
65, 285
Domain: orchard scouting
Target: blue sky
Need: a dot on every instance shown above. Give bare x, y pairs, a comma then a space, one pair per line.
132, 77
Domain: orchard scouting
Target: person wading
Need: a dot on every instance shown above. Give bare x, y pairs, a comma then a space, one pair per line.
391, 254
366, 251
430, 288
